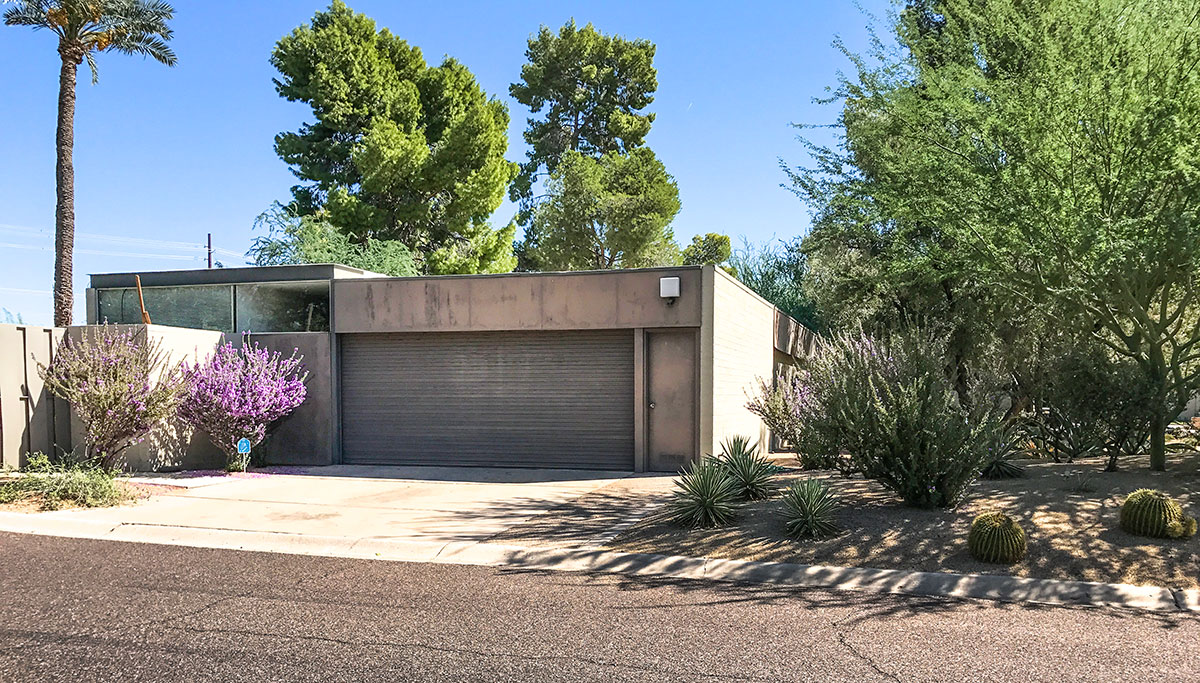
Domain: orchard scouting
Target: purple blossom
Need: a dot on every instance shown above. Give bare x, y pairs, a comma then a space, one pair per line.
238, 392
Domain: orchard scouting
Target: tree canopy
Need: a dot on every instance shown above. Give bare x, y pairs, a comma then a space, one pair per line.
294, 239
712, 249
397, 149
610, 212
1030, 157
592, 88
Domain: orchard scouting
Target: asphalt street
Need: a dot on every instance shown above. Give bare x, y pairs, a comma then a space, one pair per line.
82, 610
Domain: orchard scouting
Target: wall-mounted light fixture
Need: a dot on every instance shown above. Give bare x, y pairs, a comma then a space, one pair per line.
668, 288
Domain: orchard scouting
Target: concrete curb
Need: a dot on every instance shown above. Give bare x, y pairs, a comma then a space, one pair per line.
595, 560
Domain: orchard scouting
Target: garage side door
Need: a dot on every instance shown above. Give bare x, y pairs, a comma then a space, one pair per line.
523, 399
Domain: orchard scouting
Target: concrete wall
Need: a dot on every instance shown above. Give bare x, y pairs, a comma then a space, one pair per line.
309, 435
525, 301
31, 420
742, 351
172, 445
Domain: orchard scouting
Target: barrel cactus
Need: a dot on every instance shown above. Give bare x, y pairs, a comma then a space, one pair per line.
995, 537
1148, 512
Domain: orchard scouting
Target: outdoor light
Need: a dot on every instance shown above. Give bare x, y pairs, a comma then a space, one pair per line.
668, 288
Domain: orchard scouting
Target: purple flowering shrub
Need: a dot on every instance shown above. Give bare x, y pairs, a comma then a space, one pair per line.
890, 411
238, 392
119, 386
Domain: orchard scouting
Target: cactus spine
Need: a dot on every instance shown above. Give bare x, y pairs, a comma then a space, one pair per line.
1148, 512
995, 537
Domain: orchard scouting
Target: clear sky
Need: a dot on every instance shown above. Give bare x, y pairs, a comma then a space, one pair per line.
165, 155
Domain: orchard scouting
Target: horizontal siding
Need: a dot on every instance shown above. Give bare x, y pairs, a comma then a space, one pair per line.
529, 399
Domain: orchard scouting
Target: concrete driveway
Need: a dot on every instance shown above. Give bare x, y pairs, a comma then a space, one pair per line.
428, 504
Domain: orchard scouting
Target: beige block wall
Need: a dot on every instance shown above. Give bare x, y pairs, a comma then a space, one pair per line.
31, 421
741, 344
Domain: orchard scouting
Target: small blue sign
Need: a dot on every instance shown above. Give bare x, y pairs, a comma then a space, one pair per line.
243, 445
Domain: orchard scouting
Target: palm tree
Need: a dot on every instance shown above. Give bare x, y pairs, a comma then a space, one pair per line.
84, 28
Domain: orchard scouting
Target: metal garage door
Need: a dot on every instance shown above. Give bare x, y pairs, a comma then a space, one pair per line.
526, 399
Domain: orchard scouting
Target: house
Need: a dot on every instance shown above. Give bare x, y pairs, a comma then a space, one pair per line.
640, 370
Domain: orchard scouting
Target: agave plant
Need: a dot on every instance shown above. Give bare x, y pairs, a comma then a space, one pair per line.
810, 509
752, 473
705, 496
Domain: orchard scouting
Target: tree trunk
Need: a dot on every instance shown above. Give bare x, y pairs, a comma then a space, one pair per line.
1158, 442
64, 213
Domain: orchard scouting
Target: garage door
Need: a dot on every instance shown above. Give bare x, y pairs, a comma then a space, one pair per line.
524, 399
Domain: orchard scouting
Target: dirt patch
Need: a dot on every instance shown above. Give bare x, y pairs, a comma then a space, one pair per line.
1069, 513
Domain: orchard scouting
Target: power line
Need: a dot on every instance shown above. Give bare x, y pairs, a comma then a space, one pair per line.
97, 252
26, 291
133, 241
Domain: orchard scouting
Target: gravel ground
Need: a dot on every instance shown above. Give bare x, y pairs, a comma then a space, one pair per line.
1072, 532
79, 610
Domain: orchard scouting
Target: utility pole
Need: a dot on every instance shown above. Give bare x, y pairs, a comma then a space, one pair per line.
210, 250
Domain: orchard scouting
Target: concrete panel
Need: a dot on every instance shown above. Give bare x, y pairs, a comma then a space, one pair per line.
792, 338
306, 437
172, 445
743, 351
524, 301
31, 420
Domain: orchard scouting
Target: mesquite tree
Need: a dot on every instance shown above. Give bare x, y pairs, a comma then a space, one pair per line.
119, 385
238, 392
1040, 152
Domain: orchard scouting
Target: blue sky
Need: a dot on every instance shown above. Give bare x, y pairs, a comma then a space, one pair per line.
164, 156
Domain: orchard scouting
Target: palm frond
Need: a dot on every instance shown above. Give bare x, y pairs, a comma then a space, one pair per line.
29, 13
91, 62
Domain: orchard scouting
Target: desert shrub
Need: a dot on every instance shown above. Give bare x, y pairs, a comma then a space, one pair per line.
705, 496
810, 508
238, 392
895, 412
1087, 403
1148, 512
119, 385
751, 472
785, 406
995, 537
51, 484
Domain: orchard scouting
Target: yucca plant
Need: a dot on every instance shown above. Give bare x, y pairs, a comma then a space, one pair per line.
753, 473
705, 496
811, 508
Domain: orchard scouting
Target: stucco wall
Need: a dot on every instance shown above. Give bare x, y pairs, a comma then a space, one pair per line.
526, 301
742, 351
307, 436
30, 419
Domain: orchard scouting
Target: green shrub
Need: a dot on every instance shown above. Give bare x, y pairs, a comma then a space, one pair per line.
753, 473
1087, 403
54, 484
705, 496
997, 538
1147, 512
810, 507
897, 412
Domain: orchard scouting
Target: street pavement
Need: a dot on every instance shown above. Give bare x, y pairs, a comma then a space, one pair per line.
88, 610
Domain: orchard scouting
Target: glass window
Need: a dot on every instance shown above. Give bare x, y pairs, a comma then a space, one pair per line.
204, 307
283, 307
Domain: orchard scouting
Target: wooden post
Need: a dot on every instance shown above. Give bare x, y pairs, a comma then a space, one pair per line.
137, 279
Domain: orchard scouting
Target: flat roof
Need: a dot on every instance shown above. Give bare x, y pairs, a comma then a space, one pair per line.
227, 276
321, 271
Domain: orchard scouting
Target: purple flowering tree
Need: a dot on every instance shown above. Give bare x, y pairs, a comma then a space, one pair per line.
238, 392
119, 385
